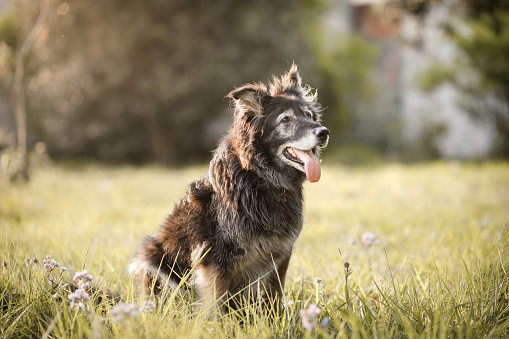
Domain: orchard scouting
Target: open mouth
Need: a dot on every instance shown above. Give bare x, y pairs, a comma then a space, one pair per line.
306, 160
291, 155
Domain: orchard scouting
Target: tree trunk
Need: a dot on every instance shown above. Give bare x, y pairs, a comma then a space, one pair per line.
160, 145
18, 100
18, 88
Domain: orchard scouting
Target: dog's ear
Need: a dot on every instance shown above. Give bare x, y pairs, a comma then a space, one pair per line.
294, 76
289, 83
248, 99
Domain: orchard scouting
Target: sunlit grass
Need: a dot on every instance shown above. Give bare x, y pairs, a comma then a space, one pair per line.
436, 269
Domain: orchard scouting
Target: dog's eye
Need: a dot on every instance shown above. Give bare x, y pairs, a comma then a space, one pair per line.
285, 120
308, 114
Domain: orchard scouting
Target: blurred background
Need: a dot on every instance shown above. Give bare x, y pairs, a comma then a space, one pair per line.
143, 81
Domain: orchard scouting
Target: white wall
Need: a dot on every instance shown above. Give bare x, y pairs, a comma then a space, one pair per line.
465, 137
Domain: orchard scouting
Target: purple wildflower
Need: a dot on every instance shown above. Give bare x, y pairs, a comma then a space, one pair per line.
80, 295
325, 322
83, 279
50, 264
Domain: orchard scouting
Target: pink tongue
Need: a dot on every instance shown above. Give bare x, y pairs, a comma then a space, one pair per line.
311, 164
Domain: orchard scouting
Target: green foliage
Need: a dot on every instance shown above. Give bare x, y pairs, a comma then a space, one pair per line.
437, 268
437, 74
8, 29
486, 47
343, 76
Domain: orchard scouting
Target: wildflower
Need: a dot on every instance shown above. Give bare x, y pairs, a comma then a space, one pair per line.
148, 306
309, 317
368, 239
80, 295
124, 311
352, 241
347, 265
83, 279
28, 261
325, 322
35, 260
289, 303
50, 264
318, 285
5, 263
82, 276
78, 298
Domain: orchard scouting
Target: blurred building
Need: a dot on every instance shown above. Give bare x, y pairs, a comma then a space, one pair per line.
408, 47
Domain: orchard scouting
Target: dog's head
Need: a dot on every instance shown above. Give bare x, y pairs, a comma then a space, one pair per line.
283, 120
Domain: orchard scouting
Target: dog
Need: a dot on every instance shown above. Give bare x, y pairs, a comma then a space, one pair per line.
237, 225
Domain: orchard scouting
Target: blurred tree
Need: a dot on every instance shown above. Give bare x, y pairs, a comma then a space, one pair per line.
482, 72
124, 77
342, 72
19, 30
131, 80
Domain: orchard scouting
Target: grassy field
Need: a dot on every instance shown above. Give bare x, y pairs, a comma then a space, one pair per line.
427, 247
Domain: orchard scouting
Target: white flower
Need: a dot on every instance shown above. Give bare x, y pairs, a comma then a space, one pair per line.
317, 280
309, 317
123, 311
368, 239
148, 306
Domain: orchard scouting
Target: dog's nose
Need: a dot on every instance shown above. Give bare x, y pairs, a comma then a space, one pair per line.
323, 134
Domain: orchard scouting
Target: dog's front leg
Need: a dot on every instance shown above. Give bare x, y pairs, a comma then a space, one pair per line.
276, 280
212, 289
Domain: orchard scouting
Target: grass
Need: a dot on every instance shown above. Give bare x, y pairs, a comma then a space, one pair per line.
437, 268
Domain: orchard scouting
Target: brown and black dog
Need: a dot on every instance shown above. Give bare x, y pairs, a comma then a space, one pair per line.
238, 223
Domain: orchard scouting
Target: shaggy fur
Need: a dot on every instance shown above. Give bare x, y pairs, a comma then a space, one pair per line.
240, 221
